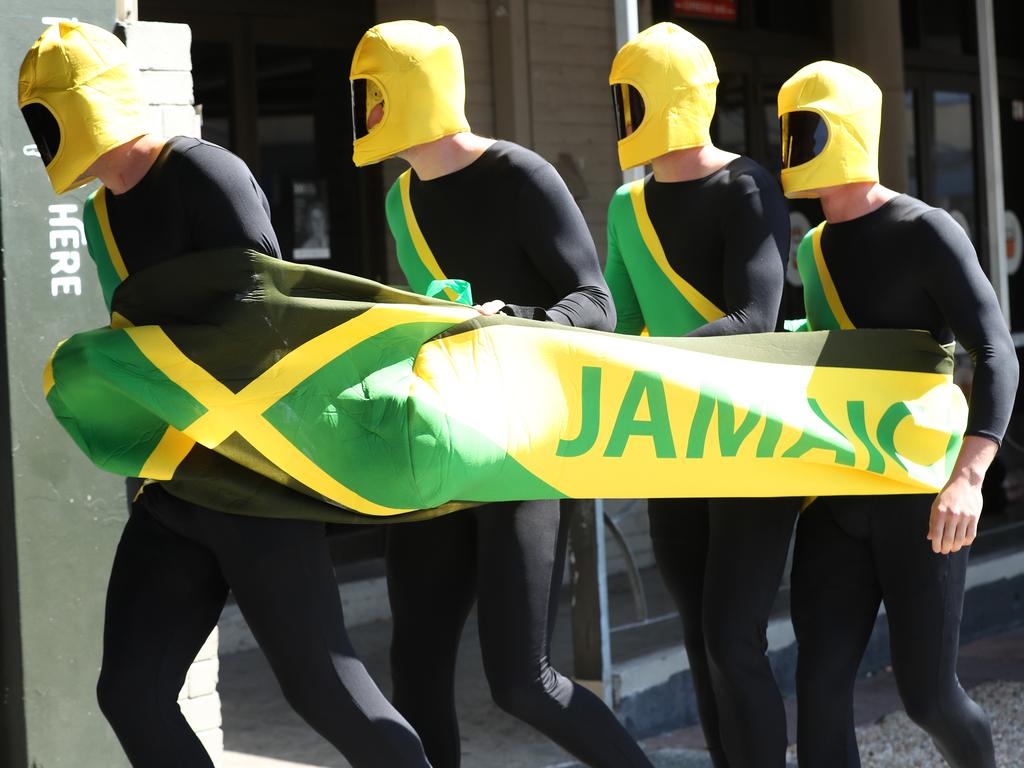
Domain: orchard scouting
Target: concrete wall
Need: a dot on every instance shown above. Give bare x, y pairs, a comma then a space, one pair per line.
572, 43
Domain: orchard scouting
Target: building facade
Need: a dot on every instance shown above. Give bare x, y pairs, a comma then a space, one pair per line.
270, 83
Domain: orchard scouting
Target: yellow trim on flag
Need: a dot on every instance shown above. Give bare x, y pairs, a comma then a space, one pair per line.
228, 412
163, 462
99, 203
696, 299
117, 321
419, 242
827, 286
48, 371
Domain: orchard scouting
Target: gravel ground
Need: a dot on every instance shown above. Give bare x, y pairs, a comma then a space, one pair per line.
895, 742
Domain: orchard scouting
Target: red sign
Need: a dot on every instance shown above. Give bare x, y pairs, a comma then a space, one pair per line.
719, 10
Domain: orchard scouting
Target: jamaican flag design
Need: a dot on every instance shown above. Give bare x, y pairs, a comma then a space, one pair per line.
256, 386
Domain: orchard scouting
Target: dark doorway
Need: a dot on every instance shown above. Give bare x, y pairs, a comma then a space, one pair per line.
272, 83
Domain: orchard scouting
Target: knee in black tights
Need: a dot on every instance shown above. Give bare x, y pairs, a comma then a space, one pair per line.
523, 697
731, 647
933, 712
137, 714
119, 699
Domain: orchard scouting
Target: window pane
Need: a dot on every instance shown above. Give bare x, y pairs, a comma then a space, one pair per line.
910, 142
212, 77
954, 157
772, 134
729, 127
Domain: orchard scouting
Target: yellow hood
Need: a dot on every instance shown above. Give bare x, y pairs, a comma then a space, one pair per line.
850, 104
675, 75
417, 69
81, 97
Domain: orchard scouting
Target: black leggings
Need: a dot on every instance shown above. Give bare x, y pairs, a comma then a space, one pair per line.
722, 560
171, 575
510, 557
851, 554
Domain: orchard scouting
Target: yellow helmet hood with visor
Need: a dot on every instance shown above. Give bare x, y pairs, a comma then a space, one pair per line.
414, 69
663, 88
830, 116
81, 97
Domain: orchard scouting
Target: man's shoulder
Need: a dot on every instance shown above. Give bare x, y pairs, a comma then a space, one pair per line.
745, 176
206, 157
918, 219
515, 160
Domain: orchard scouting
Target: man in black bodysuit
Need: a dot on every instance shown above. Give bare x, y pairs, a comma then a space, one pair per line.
176, 561
698, 248
886, 260
499, 216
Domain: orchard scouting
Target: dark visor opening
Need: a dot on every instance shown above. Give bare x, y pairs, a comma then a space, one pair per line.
804, 136
629, 109
44, 129
358, 108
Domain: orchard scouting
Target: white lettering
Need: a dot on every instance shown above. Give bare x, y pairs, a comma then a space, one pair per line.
66, 233
66, 238
66, 262
60, 285
62, 212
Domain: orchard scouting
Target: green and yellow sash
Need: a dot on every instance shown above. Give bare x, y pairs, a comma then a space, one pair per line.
414, 255
671, 306
825, 311
102, 246
300, 392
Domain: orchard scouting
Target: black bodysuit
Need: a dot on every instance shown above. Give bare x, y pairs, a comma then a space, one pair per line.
523, 239
908, 265
727, 235
508, 225
905, 265
176, 561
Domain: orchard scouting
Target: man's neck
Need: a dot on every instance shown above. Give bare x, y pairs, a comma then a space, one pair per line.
445, 155
851, 201
691, 164
124, 166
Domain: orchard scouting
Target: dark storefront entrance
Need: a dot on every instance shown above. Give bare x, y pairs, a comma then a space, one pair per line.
272, 82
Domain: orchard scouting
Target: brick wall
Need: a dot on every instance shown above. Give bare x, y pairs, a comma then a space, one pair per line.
572, 43
162, 53
469, 21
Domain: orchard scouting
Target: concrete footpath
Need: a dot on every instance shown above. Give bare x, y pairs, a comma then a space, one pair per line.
260, 730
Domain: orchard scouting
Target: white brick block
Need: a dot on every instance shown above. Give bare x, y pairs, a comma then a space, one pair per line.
202, 714
202, 678
155, 119
162, 87
157, 45
209, 649
180, 121
213, 742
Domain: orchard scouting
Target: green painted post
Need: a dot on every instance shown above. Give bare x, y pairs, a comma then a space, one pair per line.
59, 517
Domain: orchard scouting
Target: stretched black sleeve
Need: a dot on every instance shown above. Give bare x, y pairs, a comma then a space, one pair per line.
754, 262
226, 205
555, 236
965, 297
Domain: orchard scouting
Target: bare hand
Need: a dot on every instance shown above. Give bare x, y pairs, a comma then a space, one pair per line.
954, 519
489, 307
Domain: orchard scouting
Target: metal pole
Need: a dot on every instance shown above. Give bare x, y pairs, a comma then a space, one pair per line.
627, 24
992, 154
591, 636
